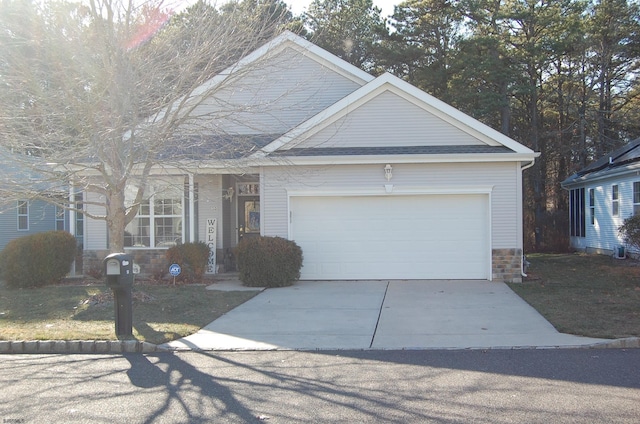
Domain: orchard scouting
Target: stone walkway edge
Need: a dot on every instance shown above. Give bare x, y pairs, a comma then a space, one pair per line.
78, 346
135, 346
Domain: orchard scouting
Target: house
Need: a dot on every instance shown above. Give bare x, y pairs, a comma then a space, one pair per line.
24, 215
601, 197
372, 177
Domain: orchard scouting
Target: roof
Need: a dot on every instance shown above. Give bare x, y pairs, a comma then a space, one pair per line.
491, 143
393, 150
625, 159
388, 82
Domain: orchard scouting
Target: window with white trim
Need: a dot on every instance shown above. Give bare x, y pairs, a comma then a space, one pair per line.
60, 214
23, 215
159, 219
615, 200
636, 197
592, 206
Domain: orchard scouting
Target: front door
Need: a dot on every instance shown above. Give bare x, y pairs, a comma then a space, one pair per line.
248, 216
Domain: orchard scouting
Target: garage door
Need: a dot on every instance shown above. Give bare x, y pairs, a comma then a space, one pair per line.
392, 237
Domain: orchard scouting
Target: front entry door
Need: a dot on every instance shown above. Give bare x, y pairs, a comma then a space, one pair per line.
248, 216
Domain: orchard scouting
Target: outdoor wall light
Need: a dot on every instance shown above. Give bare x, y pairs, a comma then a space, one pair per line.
387, 172
228, 194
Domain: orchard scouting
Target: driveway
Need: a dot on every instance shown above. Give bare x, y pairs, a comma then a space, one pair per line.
359, 315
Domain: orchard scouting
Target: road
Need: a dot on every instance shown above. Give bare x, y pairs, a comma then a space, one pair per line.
494, 386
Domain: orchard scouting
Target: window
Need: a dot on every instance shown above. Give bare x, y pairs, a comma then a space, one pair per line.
60, 212
79, 218
576, 212
636, 198
615, 204
159, 219
23, 215
592, 206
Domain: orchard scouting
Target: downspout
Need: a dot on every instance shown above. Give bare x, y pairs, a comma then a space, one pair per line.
522, 259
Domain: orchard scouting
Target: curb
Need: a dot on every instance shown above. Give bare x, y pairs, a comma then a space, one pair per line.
78, 346
627, 343
135, 346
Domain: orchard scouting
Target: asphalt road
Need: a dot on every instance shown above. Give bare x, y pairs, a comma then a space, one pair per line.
495, 386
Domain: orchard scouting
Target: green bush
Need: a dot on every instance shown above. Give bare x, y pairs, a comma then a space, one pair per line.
37, 260
268, 261
630, 231
192, 258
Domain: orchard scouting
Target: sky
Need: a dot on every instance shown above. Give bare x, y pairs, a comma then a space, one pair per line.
299, 6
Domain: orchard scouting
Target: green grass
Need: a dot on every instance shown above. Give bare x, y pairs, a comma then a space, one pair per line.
86, 311
587, 295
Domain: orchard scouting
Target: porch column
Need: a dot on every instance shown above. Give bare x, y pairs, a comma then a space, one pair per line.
72, 221
192, 203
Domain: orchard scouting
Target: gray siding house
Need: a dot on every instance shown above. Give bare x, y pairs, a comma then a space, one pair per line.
372, 177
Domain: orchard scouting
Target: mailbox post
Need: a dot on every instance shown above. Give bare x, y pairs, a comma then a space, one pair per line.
118, 269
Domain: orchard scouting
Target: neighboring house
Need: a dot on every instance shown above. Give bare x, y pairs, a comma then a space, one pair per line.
372, 177
24, 216
601, 197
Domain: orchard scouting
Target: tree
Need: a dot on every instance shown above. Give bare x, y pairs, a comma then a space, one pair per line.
100, 91
614, 31
350, 29
423, 43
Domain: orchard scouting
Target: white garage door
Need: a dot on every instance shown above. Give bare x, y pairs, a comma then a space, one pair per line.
392, 237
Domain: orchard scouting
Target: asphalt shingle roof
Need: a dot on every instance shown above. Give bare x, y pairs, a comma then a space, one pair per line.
392, 150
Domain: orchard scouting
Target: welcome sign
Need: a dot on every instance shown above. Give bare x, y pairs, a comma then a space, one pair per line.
212, 232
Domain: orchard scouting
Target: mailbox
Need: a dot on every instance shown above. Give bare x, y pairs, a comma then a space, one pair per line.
118, 269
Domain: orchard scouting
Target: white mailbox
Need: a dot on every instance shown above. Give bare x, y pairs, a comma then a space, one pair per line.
113, 267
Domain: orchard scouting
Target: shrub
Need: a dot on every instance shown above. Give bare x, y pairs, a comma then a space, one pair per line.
38, 259
268, 261
192, 258
630, 231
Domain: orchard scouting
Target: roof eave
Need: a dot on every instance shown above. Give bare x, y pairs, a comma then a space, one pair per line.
612, 173
383, 159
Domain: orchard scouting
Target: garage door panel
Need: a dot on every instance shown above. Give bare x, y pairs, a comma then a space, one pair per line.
392, 237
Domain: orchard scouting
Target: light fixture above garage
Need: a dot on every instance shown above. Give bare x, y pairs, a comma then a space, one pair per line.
388, 172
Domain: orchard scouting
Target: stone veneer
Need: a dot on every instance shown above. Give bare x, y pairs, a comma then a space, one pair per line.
507, 265
152, 262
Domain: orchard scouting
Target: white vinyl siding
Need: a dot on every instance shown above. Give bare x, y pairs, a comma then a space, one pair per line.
210, 206
389, 120
283, 91
502, 178
603, 234
95, 229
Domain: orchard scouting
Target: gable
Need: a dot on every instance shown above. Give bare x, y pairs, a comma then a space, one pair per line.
390, 116
389, 120
274, 89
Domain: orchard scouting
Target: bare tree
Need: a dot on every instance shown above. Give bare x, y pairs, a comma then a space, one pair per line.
100, 95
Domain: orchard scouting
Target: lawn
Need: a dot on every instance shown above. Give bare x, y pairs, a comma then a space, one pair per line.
85, 311
587, 295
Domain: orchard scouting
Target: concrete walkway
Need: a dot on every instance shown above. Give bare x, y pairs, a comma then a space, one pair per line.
380, 315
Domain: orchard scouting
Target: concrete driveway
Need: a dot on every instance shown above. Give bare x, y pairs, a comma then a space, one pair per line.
359, 315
